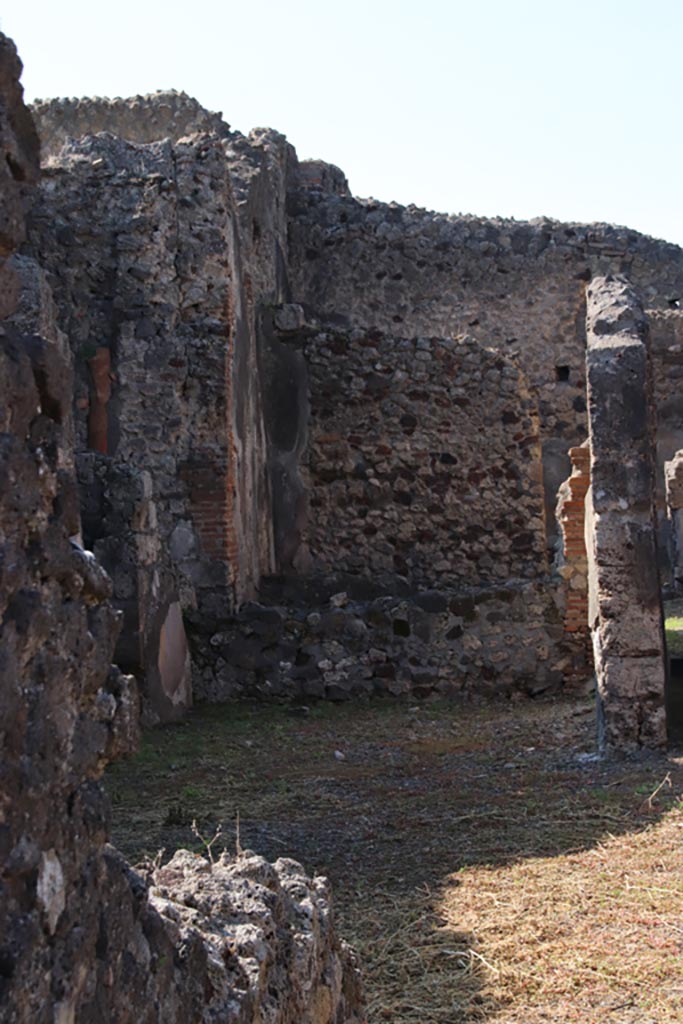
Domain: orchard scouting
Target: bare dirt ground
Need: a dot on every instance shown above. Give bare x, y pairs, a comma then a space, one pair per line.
485, 865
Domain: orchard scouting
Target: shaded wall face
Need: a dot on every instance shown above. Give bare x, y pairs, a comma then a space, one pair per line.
82, 936
66, 711
19, 154
423, 460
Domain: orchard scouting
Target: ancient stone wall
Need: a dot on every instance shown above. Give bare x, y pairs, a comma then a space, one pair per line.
165, 289
423, 460
162, 115
83, 938
673, 475
517, 286
310, 639
666, 348
143, 247
625, 612
419, 469
120, 527
383, 265
262, 345
19, 147
571, 514
167, 259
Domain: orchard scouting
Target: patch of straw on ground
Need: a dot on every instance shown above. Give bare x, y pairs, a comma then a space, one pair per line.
484, 864
586, 937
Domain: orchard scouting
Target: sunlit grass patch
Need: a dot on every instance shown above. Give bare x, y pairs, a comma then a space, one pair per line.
584, 935
673, 628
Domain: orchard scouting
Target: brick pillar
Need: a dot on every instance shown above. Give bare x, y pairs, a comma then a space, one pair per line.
211, 507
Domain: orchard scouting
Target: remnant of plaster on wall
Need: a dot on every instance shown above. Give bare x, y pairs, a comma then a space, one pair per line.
571, 516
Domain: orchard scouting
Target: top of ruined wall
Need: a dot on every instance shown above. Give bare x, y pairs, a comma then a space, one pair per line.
160, 115
514, 285
262, 165
19, 148
382, 263
666, 345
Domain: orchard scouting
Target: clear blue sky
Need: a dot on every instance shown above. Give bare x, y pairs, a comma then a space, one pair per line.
493, 107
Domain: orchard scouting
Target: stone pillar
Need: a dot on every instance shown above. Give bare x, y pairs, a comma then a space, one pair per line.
673, 479
625, 612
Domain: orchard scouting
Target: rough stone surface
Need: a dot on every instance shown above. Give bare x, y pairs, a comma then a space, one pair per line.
262, 345
666, 350
423, 459
349, 637
673, 475
272, 953
625, 610
155, 299
81, 937
517, 286
573, 560
161, 115
120, 526
19, 149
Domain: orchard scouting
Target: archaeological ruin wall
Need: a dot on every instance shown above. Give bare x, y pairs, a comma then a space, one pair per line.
572, 562
172, 115
423, 460
666, 351
511, 285
83, 937
421, 553
145, 254
673, 474
333, 399
625, 610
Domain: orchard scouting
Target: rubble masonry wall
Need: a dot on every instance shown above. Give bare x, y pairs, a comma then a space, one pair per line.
625, 611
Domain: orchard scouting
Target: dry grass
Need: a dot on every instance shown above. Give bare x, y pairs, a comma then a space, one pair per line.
588, 937
484, 865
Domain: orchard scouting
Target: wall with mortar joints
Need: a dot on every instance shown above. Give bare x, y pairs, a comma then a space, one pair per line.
162, 115
225, 398
259, 168
312, 640
514, 285
423, 460
144, 274
151, 279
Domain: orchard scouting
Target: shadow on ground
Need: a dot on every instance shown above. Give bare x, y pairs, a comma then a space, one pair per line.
395, 803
